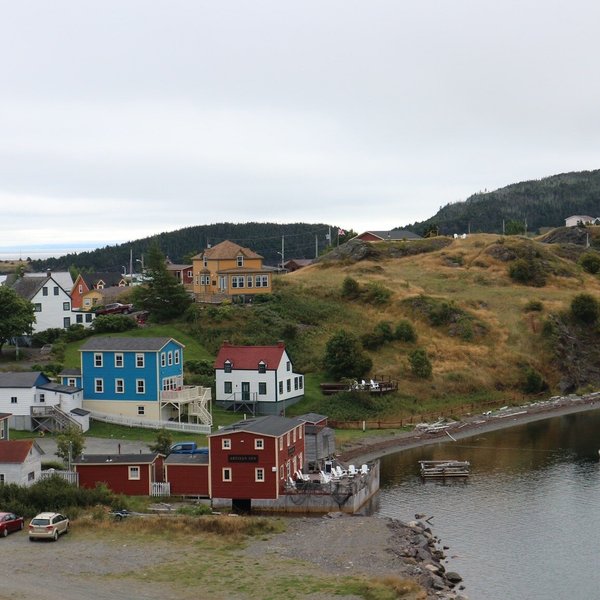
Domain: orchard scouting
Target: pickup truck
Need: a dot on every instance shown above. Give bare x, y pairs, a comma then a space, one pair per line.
187, 448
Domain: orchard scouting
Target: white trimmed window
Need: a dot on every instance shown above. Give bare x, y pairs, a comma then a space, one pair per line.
141, 410
281, 443
226, 444
140, 386
227, 474
288, 438
240, 260
300, 460
170, 358
97, 359
259, 475
119, 360
66, 306
176, 357
259, 444
119, 386
227, 366
71, 381
99, 385
80, 289
281, 472
139, 361
249, 281
163, 359
294, 436
134, 473
300, 429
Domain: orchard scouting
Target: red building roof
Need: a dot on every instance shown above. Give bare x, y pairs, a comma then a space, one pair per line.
248, 357
16, 451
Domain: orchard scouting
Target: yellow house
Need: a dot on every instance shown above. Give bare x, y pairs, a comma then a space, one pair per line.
229, 271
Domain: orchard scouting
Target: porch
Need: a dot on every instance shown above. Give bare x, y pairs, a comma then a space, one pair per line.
193, 403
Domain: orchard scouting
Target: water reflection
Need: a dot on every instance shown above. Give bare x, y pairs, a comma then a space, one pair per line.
525, 523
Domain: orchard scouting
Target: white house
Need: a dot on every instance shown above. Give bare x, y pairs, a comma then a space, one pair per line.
574, 220
52, 303
36, 403
257, 379
20, 462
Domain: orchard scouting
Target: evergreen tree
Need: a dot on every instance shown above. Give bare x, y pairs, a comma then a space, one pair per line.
16, 315
162, 295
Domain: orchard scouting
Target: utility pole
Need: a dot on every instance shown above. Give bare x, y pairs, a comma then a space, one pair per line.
503, 228
282, 251
316, 245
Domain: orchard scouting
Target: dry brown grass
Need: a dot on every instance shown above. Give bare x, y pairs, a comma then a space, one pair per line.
482, 287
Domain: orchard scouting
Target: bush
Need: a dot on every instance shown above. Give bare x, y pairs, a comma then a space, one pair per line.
344, 356
590, 262
113, 323
376, 294
533, 306
585, 308
420, 364
527, 272
371, 341
533, 382
350, 288
48, 336
405, 332
76, 332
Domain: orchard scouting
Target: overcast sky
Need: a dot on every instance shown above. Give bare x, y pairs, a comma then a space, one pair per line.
121, 119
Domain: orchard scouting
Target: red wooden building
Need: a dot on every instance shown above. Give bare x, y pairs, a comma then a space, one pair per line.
253, 459
131, 474
188, 474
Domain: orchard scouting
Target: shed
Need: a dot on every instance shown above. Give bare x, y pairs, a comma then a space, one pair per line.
188, 474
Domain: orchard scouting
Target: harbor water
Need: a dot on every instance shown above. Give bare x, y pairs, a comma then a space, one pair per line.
526, 523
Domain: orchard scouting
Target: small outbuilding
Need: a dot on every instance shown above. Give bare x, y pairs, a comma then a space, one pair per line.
188, 474
131, 474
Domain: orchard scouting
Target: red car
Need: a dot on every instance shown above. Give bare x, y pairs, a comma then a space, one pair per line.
116, 308
9, 522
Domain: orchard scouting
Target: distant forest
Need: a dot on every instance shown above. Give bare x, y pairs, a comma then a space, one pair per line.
301, 240
540, 203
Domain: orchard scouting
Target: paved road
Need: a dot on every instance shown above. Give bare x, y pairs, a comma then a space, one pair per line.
96, 446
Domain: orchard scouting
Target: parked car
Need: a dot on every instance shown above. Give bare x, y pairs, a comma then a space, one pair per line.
115, 308
48, 525
9, 522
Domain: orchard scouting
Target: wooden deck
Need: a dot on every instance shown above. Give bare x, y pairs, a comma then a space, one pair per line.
444, 468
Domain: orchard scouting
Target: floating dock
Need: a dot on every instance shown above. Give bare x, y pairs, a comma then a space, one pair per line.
444, 468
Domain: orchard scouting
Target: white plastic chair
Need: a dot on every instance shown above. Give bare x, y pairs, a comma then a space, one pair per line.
364, 469
352, 470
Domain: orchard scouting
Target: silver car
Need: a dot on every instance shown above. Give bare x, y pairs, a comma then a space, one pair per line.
48, 525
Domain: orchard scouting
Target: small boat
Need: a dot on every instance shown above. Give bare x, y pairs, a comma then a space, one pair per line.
444, 468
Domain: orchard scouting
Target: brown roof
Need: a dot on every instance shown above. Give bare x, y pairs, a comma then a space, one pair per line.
16, 451
227, 249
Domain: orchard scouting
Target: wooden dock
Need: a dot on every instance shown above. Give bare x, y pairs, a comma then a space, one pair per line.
444, 468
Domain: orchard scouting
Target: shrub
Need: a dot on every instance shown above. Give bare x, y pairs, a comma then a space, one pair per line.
113, 323
344, 356
48, 336
533, 382
590, 262
405, 332
384, 330
534, 306
371, 341
76, 332
376, 294
350, 288
585, 308
420, 364
528, 272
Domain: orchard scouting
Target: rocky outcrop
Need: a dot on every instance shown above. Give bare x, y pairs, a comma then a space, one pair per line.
415, 544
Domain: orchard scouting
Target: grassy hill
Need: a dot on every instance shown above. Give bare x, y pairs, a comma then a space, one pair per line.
488, 336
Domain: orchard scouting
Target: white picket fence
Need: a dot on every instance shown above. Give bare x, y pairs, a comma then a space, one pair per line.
160, 489
70, 476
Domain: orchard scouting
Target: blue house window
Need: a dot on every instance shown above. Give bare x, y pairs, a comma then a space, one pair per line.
176, 357
119, 386
97, 359
99, 386
163, 359
140, 386
170, 358
139, 361
118, 360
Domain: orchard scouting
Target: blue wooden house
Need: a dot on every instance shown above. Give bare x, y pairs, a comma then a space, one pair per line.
138, 378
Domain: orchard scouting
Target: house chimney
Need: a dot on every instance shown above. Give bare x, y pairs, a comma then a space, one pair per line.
48, 272
280, 344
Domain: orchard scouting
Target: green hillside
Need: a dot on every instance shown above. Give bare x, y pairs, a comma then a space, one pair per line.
544, 202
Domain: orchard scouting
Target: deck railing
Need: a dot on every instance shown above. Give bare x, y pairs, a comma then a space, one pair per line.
151, 424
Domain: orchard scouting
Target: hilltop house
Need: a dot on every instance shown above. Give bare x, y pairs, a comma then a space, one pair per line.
574, 220
52, 303
259, 379
20, 462
141, 379
253, 459
183, 273
35, 403
393, 235
229, 271
87, 282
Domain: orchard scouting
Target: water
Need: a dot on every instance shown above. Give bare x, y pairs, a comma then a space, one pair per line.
526, 523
